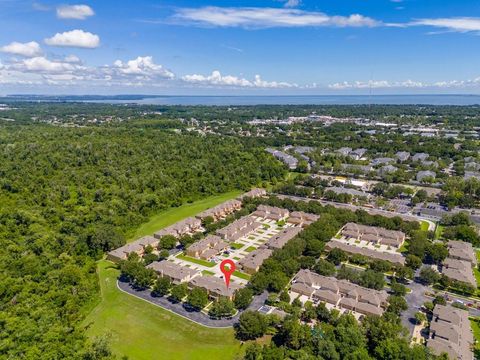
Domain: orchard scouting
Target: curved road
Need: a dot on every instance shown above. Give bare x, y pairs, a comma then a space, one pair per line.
195, 316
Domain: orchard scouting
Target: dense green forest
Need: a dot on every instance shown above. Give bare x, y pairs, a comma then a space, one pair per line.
69, 194
461, 116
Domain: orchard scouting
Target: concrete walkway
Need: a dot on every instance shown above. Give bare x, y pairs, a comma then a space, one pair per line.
195, 316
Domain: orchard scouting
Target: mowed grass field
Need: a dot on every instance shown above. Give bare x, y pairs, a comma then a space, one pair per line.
141, 330
171, 216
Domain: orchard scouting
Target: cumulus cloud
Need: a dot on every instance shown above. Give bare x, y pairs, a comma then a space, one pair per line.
250, 17
142, 66
459, 24
78, 12
28, 49
41, 64
217, 79
70, 70
75, 38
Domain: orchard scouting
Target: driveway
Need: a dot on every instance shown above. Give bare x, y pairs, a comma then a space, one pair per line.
195, 316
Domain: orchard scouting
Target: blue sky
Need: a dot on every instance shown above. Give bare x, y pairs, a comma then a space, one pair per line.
240, 47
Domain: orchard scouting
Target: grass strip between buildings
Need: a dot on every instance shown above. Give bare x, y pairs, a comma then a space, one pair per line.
195, 260
241, 275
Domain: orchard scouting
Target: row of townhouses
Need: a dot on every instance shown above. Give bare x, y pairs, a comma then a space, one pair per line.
459, 263
340, 293
450, 333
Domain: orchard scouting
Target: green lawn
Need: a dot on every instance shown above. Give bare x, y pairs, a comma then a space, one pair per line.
438, 232
476, 272
171, 216
207, 273
241, 275
424, 225
196, 261
250, 248
236, 245
141, 330
403, 248
475, 322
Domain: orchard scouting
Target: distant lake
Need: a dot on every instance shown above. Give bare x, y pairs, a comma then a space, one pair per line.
301, 100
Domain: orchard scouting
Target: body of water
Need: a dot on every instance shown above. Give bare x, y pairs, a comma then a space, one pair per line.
301, 100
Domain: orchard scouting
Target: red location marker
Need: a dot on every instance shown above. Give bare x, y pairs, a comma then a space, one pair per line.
227, 267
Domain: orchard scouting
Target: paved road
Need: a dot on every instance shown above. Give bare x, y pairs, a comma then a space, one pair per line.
194, 316
416, 298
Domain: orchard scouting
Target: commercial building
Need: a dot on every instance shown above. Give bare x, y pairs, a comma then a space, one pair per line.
339, 293
450, 333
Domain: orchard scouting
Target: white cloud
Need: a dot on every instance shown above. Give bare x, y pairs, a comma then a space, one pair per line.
75, 38
142, 66
383, 84
292, 3
28, 49
249, 17
70, 71
78, 12
217, 79
376, 84
460, 24
41, 64
72, 59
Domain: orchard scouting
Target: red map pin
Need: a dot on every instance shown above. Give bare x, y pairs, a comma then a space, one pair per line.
227, 267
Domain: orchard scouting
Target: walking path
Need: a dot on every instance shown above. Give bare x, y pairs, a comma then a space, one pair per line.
195, 316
